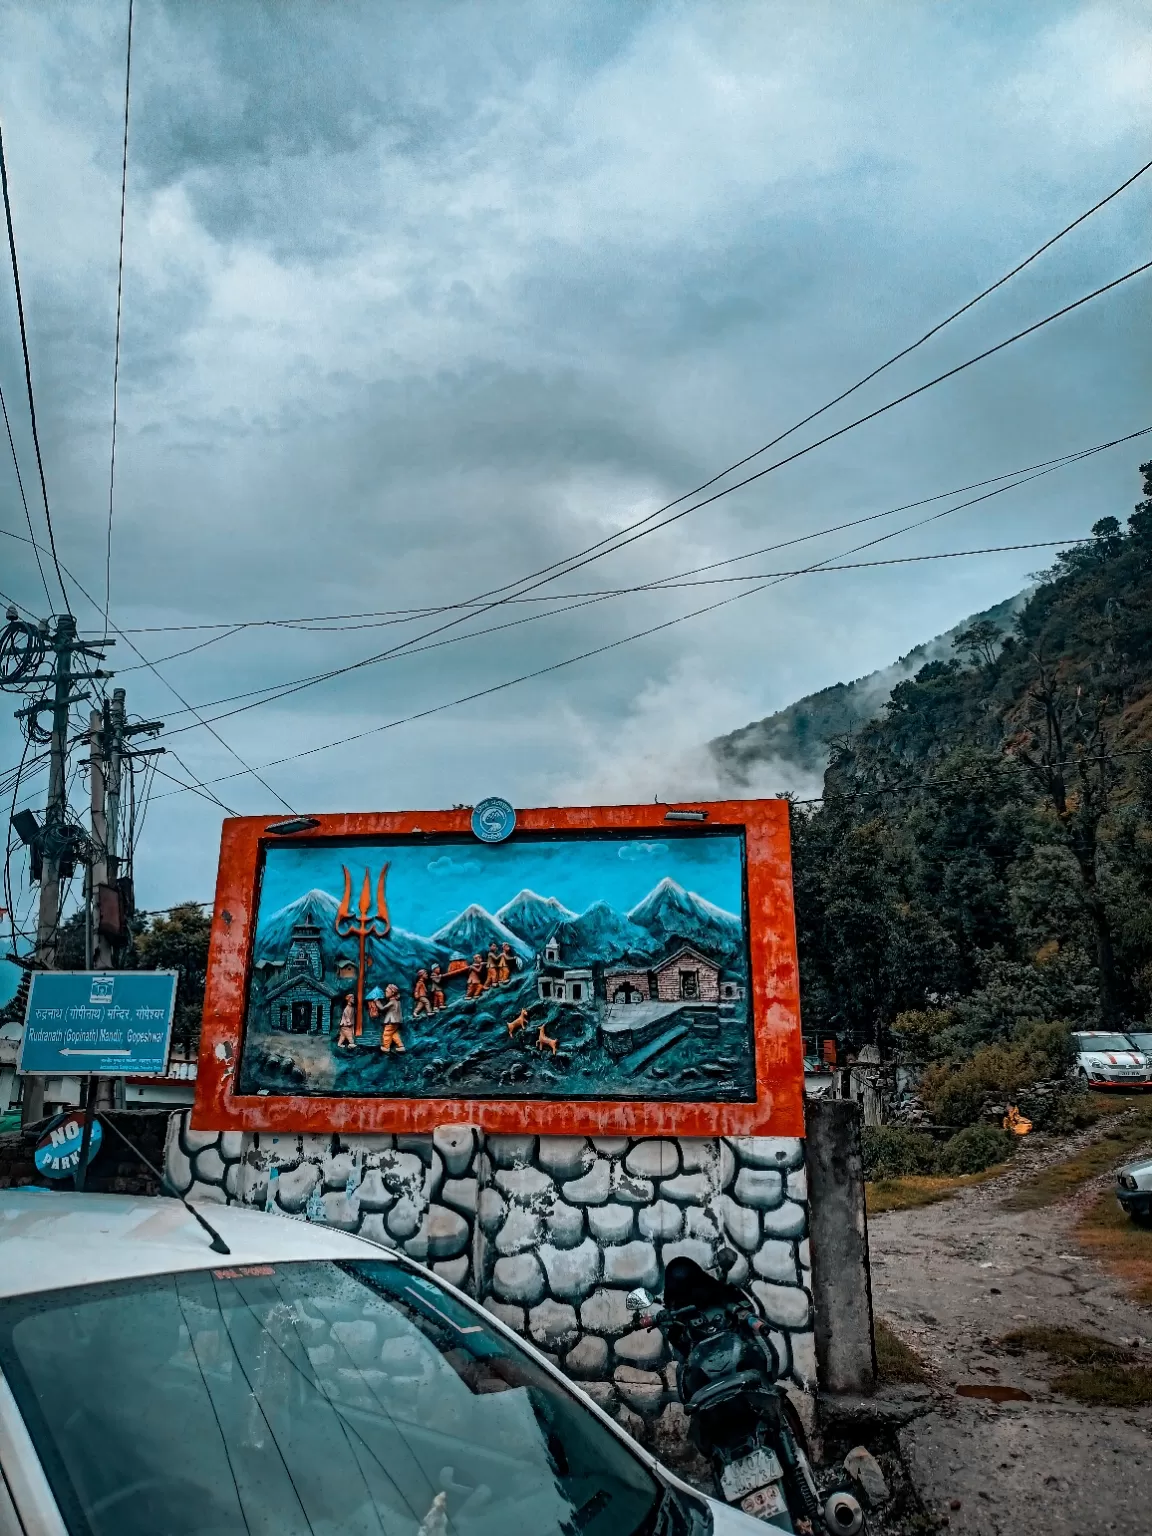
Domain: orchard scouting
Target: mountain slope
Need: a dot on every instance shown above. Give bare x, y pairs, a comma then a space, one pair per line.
533, 917
601, 933
671, 912
473, 930
799, 735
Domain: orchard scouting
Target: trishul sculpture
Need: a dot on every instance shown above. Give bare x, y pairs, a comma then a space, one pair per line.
368, 925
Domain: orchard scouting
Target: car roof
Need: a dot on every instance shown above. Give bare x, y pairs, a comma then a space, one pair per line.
50, 1239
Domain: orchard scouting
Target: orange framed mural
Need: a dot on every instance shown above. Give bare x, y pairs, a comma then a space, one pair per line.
616, 969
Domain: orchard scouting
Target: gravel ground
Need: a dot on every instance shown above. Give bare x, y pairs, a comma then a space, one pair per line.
955, 1277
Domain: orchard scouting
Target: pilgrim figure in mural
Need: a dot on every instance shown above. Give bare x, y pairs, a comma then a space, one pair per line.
492, 968
436, 984
391, 1013
506, 964
347, 1032
475, 977
421, 1002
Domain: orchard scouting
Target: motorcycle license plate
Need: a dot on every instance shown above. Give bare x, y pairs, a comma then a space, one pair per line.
749, 1473
765, 1502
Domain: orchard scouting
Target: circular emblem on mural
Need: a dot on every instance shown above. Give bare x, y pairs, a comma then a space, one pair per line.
493, 820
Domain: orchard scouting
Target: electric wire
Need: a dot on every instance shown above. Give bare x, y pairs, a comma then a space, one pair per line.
28, 366
298, 685
119, 309
24, 498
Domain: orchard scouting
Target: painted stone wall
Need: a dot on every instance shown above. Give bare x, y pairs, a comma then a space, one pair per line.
549, 1232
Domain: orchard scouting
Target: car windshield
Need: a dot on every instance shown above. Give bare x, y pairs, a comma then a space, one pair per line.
323, 1398
1104, 1043
1142, 1042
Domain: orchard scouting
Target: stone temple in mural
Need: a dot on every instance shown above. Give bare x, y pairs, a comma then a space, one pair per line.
530, 1001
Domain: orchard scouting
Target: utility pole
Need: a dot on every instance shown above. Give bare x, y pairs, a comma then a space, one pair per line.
57, 840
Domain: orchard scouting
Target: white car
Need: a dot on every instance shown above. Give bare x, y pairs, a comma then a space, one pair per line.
1105, 1060
302, 1383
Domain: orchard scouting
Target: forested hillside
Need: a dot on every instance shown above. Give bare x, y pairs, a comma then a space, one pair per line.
979, 873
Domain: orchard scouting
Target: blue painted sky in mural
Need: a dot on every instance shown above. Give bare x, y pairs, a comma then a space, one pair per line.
429, 884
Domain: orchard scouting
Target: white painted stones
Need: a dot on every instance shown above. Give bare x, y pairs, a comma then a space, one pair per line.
697, 1155
520, 1230
641, 1390
804, 1358
447, 1233
295, 1185
572, 1272
374, 1194
611, 1224
564, 1157
461, 1194
552, 1324
511, 1317
197, 1141
178, 1167
779, 1152
232, 1146
209, 1166
455, 1144
644, 1347
490, 1211
688, 1248
593, 1188
798, 1184
511, 1151
341, 1210
519, 1278
606, 1312
336, 1170
565, 1225
629, 1189
653, 1160
787, 1220
403, 1220
632, 1264
611, 1146
661, 1221
523, 1184
776, 1261
687, 1189
372, 1227
760, 1188
588, 1359
402, 1172
786, 1305
741, 1223
455, 1271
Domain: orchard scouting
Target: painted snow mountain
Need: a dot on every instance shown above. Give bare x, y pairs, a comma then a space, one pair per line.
670, 912
669, 915
401, 953
472, 932
533, 917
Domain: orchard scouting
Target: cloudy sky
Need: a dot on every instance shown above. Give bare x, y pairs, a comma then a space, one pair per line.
420, 299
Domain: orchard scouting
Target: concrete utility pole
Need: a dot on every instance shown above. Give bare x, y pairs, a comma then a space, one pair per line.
56, 839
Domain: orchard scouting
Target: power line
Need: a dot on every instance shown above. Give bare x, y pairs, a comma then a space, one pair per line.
24, 498
119, 307
411, 647
308, 682
28, 366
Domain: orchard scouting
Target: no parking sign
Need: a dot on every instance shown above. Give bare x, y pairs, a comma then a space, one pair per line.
57, 1154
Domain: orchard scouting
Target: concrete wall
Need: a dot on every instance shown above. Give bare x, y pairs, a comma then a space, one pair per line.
841, 1279
549, 1232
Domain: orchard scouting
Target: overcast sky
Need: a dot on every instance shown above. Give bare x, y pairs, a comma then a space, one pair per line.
421, 298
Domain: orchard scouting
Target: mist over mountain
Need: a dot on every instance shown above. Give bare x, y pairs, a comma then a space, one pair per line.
800, 736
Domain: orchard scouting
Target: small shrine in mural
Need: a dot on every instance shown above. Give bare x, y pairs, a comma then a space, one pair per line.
593, 966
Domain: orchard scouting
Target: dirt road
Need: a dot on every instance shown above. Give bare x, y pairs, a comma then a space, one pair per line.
954, 1278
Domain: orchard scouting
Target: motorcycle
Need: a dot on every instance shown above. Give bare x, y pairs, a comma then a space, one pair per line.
740, 1416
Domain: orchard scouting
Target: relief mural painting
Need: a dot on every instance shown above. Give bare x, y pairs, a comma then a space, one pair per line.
601, 966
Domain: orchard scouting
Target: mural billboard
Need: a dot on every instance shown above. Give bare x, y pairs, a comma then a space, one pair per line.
596, 968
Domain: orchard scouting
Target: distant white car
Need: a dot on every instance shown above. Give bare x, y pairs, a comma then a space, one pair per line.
304, 1382
1134, 1190
1106, 1060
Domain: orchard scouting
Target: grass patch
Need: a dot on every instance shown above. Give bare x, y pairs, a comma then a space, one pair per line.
1101, 1387
895, 1360
1125, 1249
1064, 1345
916, 1190
1116, 1146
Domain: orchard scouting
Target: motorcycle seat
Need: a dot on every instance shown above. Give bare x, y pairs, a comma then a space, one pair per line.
720, 1391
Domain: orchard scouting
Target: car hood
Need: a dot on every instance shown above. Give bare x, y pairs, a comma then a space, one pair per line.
1113, 1058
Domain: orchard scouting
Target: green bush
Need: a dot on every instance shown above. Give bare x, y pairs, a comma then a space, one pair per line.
975, 1148
893, 1151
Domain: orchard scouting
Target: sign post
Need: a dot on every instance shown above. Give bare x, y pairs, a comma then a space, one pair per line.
97, 1024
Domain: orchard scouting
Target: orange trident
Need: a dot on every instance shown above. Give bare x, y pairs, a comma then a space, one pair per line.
376, 926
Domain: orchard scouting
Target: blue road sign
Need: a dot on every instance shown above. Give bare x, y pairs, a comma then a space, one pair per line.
57, 1153
109, 1023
